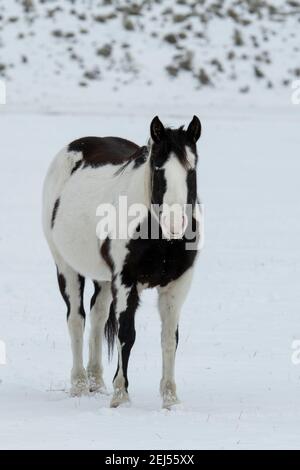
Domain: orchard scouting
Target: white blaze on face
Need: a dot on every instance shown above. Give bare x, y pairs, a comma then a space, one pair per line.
191, 158
173, 216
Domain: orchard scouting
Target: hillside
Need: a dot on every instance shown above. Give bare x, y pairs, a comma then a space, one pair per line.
58, 55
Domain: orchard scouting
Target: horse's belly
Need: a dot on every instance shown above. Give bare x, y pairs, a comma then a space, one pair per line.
81, 251
74, 231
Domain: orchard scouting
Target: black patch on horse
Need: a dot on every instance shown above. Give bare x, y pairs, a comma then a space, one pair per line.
81, 289
54, 212
62, 287
126, 331
159, 186
192, 187
99, 151
76, 166
139, 158
173, 141
157, 262
97, 290
105, 253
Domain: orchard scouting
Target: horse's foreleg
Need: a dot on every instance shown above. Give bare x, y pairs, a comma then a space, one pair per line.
100, 303
71, 286
125, 304
171, 299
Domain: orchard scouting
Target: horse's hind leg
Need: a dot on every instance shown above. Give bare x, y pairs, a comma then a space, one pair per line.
71, 286
100, 304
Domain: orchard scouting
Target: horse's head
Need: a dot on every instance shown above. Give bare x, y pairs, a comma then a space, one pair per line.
173, 163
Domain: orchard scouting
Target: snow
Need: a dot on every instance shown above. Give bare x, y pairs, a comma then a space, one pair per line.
235, 375
49, 53
238, 385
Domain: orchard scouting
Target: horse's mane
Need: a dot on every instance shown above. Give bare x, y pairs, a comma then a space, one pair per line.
139, 157
174, 140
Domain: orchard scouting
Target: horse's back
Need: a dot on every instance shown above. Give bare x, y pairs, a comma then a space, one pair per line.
86, 152
98, 151
78, 179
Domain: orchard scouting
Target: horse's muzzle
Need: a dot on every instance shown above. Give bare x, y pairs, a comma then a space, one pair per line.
174, 227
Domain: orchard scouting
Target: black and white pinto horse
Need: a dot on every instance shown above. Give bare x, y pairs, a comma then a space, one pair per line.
94, 170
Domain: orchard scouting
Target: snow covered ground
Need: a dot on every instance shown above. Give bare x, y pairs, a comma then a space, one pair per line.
238, 385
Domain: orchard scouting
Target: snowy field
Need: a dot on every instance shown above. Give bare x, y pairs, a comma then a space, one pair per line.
238, 385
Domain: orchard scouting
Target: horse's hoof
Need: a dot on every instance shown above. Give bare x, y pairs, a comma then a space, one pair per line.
79, 389
79, 385
98, 388
119, 398
170, 404
97, 385
101, 390
168, 393
170, 399
95, 378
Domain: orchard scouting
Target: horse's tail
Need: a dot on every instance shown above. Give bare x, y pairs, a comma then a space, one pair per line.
110, 330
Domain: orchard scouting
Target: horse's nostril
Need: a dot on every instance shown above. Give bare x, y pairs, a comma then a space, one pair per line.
172, 227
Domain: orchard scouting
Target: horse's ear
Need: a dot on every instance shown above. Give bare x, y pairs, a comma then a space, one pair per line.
157, 130
194, 130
